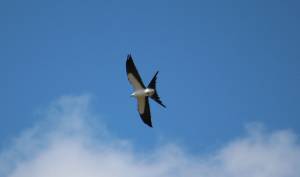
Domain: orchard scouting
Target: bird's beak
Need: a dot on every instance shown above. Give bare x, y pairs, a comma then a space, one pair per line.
132, 95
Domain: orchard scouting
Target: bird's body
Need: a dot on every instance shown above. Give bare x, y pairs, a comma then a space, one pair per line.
141, 92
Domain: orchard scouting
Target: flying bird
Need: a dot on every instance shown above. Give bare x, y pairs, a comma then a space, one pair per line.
141, 92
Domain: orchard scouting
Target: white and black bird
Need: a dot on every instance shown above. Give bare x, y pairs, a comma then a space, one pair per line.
141, 92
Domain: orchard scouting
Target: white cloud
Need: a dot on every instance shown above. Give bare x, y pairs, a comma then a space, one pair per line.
66, 144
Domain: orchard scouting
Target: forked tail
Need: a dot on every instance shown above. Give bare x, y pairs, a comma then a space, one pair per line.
155, 96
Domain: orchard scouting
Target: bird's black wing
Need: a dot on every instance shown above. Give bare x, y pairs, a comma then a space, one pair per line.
133, 75
144, 110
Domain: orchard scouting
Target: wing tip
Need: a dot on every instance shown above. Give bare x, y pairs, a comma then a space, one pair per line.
150, 125
129, 57
148, 122
129, 61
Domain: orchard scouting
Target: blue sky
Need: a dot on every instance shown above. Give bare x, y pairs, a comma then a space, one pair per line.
223, 65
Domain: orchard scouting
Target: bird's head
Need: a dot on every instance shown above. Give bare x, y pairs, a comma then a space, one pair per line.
133, 94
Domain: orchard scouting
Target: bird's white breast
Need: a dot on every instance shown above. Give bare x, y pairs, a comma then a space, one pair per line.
143, 92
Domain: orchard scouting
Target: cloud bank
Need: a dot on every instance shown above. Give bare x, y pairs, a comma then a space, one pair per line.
67, 144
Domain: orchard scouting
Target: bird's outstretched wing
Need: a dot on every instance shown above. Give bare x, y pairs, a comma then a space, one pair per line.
144, 110
133, 75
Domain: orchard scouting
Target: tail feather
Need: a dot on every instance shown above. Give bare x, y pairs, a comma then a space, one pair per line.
155, 96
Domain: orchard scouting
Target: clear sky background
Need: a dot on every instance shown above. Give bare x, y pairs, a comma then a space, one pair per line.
223, 65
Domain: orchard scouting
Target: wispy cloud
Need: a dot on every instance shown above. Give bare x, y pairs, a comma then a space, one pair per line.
66, 144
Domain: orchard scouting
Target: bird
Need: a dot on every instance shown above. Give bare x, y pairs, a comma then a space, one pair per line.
142, 93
